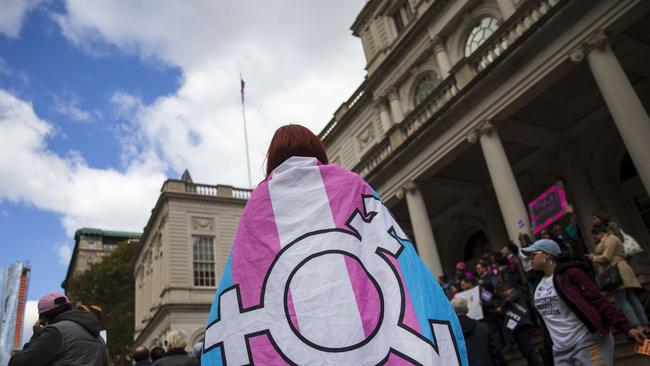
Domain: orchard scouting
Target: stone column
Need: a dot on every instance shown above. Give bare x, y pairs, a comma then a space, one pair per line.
505, 186
384, 115
395, 106
623, 103
441, 56
506, 7
578, 183
422, 230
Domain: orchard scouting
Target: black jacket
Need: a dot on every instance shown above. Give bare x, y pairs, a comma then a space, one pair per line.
482, 349
175, 357
71, 339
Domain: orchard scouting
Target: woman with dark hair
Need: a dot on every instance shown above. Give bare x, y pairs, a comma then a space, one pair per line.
511, 252
610, 253
318, 255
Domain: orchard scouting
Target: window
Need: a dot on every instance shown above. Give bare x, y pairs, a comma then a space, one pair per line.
424, 86
481, 31
91, 245
203, 261
402, 17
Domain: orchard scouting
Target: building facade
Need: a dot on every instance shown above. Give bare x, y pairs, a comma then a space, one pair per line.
91, 245
13, 297
472, 108
181, 255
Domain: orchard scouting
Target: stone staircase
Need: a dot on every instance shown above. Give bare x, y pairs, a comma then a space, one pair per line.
624, 354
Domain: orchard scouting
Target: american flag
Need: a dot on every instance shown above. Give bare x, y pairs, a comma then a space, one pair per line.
243, 86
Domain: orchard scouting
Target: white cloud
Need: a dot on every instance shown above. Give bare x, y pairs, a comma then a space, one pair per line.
12, 14
84, 196
69, 107
64, 252
31, 316
298, 59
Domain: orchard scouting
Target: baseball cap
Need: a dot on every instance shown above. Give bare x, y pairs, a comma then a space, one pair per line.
51, 301
543, 245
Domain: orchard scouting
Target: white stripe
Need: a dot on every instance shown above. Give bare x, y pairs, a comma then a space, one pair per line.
322, 294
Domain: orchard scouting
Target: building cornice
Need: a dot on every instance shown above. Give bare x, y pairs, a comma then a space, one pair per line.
146, 331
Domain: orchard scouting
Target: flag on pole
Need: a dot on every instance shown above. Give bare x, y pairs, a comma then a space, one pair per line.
243, 86
320, 273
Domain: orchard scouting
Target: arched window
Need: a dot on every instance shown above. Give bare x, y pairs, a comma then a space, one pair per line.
476, 246
481, 31
424, 86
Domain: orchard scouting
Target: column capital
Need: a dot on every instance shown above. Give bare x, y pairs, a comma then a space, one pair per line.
392, 93
484, 128
596, 40
437, 42
411, 186
380, 103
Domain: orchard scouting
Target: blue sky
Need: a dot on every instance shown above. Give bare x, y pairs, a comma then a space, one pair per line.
100, 101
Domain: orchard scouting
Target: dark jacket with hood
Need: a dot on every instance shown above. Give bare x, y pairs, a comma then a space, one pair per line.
574, 286
72, 338
482, 349
175, 357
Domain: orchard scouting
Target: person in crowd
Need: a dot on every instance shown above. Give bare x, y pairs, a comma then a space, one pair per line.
197, 350
575, 314
176, 341
599, 218
467, 284
141, 356
445, 285
524, 240
610, 252
462, 272
485, 278
482, 349
488, 284
511, 252
157, 353
62, 336
517, 322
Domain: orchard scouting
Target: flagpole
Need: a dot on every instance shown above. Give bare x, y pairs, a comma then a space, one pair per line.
243, 112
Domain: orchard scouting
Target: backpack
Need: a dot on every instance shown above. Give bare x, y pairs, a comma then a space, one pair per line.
631, 246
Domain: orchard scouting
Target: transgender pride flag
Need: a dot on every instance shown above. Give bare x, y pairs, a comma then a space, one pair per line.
321, 274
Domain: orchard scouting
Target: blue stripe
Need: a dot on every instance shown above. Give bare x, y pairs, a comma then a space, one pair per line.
214, 356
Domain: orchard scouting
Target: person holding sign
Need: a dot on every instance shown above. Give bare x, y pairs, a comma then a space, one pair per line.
577, 317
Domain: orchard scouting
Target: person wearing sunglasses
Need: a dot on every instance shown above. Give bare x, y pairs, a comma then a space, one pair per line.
577, 318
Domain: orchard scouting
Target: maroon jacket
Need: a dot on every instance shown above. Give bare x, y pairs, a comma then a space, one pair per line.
581, 294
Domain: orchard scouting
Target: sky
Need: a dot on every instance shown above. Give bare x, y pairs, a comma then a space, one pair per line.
101, 101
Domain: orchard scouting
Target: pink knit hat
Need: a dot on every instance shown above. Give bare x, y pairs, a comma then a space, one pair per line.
51, 301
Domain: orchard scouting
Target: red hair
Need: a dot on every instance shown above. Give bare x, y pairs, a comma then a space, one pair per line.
293, 140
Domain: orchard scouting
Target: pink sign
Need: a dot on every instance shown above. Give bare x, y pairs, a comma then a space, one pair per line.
548, 207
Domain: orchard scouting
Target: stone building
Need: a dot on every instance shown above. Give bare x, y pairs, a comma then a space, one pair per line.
472, 108
91, 245
181, 255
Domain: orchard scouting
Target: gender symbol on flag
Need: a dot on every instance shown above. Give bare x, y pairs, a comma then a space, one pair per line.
372, 236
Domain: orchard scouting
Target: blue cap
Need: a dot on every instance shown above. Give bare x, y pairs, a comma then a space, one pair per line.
543, 245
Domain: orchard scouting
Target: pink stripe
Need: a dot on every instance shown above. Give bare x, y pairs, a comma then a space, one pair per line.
344, 190
395, 360
251, 259
264, 353
410, 318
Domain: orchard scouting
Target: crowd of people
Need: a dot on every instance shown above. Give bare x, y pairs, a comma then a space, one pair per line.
556, 287
551, 285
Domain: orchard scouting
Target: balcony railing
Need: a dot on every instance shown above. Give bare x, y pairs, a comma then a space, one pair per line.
351, 104
510, 31
173, 185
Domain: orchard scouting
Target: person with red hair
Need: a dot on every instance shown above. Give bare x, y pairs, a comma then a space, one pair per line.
320, 273
293, 140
